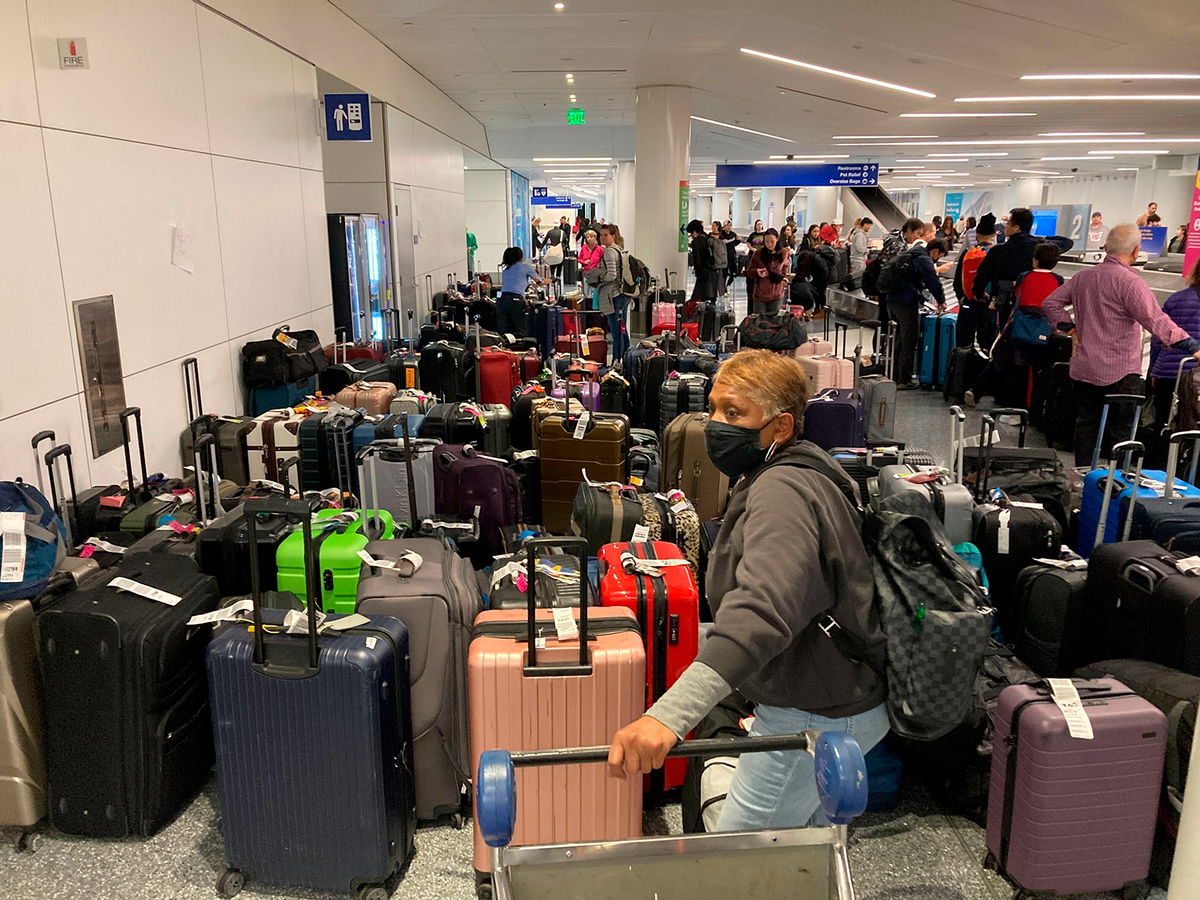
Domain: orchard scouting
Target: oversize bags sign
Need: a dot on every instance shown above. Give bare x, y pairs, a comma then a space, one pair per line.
1192, 253
798, 175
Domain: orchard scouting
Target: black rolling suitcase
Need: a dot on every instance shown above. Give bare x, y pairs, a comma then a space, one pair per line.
443, 371
484, 425
1046, 620
314, 746
128, 731
403, 361
223, 550
349, 371
1172, 520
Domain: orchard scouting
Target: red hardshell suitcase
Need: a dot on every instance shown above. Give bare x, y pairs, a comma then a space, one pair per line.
531, 365
1069, 815
660, 588
499, 375
528, 690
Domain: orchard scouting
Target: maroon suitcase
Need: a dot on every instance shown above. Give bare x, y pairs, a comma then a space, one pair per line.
1068, 815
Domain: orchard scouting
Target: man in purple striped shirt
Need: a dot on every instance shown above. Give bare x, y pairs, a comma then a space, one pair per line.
1109, 303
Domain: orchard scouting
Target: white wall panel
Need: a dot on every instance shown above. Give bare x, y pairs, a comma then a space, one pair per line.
308, 120
263, 244
316, 239
115, 204
249, 91
36, 328
400, 132
66, 419
144, 83
18, 95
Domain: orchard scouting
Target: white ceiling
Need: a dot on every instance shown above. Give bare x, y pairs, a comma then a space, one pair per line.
504, 61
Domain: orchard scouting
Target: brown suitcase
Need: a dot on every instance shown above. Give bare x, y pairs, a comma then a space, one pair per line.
545, 698
687, 467
548, 406
373, 397
601, 452
274, 438
22, 754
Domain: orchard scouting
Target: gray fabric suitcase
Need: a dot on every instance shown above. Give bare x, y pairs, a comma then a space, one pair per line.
682, 393
384, 478
412, 402
438, 603
879, 406
952, 501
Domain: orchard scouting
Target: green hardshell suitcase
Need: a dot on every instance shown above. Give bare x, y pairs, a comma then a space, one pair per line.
338, 537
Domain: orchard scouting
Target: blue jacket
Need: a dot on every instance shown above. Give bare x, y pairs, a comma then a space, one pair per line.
1184, 309
924, 275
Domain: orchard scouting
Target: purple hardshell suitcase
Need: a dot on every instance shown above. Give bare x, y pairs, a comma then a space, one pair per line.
469, 484
835, 418
587, 392
1069, 815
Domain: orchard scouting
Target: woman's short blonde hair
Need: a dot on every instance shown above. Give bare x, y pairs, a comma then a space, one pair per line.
774, 382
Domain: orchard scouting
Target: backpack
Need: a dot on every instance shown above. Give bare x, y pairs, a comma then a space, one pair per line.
970, 267
719, 253
634, 274
26, 574
896, 273
803, 293
870, 277
893, 246
933, 615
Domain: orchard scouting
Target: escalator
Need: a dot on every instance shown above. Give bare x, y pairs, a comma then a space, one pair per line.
875, 203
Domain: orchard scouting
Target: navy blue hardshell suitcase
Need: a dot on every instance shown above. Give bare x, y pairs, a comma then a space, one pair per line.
314, 747
835, 418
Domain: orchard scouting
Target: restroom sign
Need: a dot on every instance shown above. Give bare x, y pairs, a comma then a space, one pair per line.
347, 117
72, 53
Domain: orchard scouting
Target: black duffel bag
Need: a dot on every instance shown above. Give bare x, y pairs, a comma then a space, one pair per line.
305, 355
264, 364
781, 332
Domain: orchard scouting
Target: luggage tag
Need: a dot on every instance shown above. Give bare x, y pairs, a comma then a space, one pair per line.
1066, 697
287, 340
1002, 532
406, 566
121, 583
1189, 565
343, 623
581, 426
641, 534
228, 614
564, 623
1067, 565
12, 562
650, 567
176, 526
296, 621
113, 501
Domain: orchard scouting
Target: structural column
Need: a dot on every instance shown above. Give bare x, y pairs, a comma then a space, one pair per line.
664, 133
822, 205
622, 205
770, 208
721, 201
702, 208
743, 210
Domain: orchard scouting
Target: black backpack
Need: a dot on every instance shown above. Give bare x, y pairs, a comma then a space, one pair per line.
870, 278
896, 273
803, 293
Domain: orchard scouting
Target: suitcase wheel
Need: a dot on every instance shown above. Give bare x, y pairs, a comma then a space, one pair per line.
27, 842
230, 883
841, 776
496, 798
373, 892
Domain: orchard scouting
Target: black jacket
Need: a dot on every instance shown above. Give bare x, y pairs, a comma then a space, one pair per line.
924, 275
1005, 262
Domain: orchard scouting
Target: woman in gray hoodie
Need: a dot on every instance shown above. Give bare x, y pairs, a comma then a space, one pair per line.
786, 573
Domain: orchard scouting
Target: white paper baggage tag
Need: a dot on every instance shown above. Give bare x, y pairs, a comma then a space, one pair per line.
1066, 696
641, 534
1002, 535
564, 623
513, 568
12, 563
229, 614
270, 485
414, 559
1067, 565
144, 590
581, 425
343, 623
1189, 565
296, 621
287, 340
101, 544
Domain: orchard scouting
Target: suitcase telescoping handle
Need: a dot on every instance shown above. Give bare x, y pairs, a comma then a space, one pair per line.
958, 426
133, 412
34, 442
191, 388
294, 510
51, 457
579, 548
1135, 451
1176, 443
478, 357
1022, 415
206, 482
1178, 388
284, 468
1136, 400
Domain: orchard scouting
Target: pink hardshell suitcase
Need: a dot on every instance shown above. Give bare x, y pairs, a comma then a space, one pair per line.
1068, 815
550, 697
827, 372
814, 347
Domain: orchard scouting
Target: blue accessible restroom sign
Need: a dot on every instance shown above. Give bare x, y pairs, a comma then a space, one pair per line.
347, 117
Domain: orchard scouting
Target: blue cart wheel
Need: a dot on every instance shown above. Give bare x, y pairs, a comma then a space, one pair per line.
496, 798
841, 776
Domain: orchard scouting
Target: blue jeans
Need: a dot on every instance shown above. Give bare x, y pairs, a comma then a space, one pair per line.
779, 789
617, 331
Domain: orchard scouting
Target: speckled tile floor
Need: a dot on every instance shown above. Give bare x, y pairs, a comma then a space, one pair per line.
917, 852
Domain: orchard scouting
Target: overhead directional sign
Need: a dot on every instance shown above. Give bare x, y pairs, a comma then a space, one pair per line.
549, 200
798, 175
347, 117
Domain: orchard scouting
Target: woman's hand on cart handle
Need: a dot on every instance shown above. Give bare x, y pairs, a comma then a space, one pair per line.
641, 746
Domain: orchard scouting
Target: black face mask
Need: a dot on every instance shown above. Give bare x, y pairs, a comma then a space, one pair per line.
734, 449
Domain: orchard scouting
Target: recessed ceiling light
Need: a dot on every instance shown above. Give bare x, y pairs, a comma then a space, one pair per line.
1127, 168
988, 115
1033, 172
969, 154
569, 75
1057, 158
838, 72
1056, 98
1090, 133
566, 159
740, 128
560, 6
862, 137
1130, 152
1105, 76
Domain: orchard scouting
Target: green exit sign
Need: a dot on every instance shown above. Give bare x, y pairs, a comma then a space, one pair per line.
575, 116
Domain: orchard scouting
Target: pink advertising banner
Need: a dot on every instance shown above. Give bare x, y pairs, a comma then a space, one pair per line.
1193, 239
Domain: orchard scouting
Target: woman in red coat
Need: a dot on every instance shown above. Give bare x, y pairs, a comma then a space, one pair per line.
767, 274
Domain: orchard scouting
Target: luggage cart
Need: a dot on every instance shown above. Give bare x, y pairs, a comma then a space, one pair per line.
794, 863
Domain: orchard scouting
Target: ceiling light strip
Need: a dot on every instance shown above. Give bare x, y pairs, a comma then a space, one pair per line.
1057, 98
838, 72
740, 128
